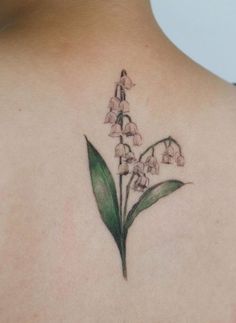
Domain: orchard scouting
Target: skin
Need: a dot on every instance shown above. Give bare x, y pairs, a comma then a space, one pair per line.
59, 61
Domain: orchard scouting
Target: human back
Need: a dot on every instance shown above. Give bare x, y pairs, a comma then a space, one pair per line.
59, 69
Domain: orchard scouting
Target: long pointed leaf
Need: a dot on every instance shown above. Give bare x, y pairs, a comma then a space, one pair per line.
151, 196
104, 191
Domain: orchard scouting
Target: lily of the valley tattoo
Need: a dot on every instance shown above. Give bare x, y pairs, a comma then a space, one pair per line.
133, 172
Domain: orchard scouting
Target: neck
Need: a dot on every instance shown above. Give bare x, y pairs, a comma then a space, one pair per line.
96, 31
89, 18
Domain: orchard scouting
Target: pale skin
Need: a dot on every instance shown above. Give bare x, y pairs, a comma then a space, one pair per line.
58, 64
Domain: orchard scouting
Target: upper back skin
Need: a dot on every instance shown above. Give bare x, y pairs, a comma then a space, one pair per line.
58, 261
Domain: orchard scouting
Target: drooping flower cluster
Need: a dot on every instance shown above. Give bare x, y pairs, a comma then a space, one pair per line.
122, 125
124, 128
119, 108
172, 155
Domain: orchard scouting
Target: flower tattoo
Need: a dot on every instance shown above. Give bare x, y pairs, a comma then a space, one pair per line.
133, 172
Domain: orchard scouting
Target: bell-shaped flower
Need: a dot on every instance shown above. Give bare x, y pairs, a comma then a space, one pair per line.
114, 104
120, 150
139, 168
123, 169
166, 158
126, 82
152, 165
180, 160
137, 139
115, 130
130, 157
141, 183
110, 117
130, 129
124, 106
170, 151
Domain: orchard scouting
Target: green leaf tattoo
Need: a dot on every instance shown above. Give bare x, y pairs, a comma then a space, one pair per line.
133, 173
151, 196
105, 192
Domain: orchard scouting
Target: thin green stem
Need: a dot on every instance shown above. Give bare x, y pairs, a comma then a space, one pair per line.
120, 120
123, 255
127, 195
121, 202
121, 178
121, 190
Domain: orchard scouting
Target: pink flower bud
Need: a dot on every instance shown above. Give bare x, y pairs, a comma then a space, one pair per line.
141, 183
152, 165
115, 130
124, 106
110, 117
139, 168
130, 157
114, 104
126, 82
180, 161
123, 169
120, 150
130, 129
137, 140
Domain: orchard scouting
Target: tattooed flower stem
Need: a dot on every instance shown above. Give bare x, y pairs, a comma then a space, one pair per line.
121, 116
128, 146
120, 188
123, 255
127, 195
116, 91
165, 140
172, 140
